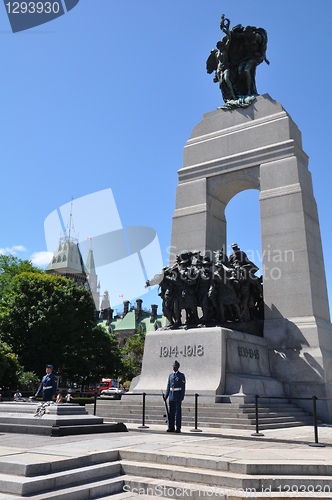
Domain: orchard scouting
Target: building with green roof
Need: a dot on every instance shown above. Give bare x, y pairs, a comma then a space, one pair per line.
132, 318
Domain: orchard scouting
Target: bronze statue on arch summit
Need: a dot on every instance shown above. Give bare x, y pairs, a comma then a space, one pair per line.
234, 62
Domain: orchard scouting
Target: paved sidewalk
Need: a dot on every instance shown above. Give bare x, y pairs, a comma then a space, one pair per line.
278, 444
278, 448
291, 435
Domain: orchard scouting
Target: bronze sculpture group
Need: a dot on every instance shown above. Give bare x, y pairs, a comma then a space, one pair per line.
234, 62
210, 293
225, 289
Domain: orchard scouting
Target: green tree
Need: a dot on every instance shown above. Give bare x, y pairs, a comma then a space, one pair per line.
49, 319
103, 356
132, 355
28, 381
10, 267
9, 367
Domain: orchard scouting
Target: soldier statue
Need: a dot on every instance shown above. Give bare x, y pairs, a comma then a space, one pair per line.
234, 62
230, 292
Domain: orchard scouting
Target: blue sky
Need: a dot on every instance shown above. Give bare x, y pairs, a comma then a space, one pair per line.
107, 95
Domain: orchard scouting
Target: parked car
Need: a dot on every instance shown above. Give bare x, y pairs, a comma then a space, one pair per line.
112, 392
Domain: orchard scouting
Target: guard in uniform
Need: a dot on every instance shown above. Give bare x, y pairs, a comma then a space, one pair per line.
176, 387
48, 384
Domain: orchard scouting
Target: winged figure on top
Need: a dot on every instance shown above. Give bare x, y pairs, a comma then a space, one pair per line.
234, 62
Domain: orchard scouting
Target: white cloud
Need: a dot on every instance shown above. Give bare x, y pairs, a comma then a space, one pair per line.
13, 250
41, 258
18, 248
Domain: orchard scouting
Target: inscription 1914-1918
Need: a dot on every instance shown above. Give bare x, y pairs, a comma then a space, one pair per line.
248, 353
189, 351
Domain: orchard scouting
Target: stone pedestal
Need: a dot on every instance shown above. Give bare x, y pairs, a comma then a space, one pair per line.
215, 361
260, 147
58, 420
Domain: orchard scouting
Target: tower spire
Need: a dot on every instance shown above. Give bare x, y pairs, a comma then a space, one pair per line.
70, 227
71, 216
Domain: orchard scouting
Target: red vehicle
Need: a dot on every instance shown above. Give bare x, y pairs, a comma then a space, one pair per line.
105, 383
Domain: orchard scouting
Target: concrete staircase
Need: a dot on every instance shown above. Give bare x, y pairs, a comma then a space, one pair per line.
233, 415
116, 474
90, 476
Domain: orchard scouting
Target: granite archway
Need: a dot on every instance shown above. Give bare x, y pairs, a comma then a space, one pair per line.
261, 147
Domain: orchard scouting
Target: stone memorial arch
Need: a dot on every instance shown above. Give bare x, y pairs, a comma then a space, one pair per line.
260, 147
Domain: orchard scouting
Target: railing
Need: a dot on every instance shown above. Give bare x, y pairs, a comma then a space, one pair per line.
314, 400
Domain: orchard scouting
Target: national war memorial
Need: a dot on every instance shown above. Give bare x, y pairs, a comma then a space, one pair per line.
236, 333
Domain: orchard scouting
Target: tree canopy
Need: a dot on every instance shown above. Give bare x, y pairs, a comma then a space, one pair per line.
49, 319
9, 367
10, 267
132, 355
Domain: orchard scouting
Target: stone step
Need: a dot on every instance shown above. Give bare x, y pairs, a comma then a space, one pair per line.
222, 479
180, 490
135, 486
54, 409
202, 411
181, 473
105, 488
287, 425
231, 425
35, 464
215, 410
272, 419
259, 467
208, 422
261, 427
210, 406
241, 415
21, 485
247, 426
58, 430
58, 420
47, 420
208, 418
129, 486
96, 476
26, 429
190, 401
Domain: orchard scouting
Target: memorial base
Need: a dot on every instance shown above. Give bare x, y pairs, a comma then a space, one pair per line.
58, 420
216, 361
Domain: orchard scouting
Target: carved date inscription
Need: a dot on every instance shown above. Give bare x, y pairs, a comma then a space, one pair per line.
248, 353
187, 351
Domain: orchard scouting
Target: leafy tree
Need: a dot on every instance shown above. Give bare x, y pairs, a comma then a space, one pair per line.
100, 356
10, 267
28, 381
132, 355
9, 367
49, 319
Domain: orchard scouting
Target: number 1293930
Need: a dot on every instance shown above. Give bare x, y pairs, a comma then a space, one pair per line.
33, 7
